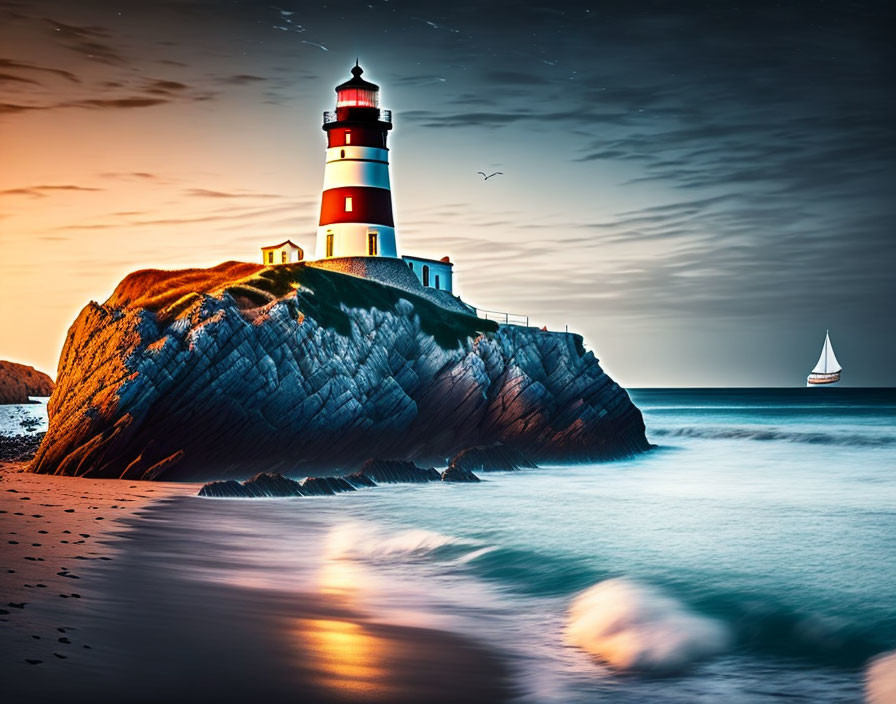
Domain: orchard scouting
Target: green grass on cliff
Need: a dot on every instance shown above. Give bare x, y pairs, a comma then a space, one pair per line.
320, 293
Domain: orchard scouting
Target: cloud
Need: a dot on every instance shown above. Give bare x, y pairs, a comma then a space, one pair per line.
242, 79
85, 40
129, 175
11, 64
42, 191
160, 87
10, 78
114, 103
206, 193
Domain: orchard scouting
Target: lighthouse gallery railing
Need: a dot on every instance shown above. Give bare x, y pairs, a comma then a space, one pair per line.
330, 116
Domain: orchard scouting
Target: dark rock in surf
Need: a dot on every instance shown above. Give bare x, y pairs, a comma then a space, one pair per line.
19, 448
359, 480
491, 458
397, 472
275, 486
325, 486
454, 474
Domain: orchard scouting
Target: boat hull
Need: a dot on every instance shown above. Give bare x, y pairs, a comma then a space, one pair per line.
823, 379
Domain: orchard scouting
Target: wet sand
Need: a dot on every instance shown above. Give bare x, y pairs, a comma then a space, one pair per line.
126, 614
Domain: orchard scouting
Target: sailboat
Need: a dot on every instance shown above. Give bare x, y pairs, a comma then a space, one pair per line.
827, 371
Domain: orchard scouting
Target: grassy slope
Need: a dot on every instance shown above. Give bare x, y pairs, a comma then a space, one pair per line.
319, 295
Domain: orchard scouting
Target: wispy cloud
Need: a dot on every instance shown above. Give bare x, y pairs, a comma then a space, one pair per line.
43, 191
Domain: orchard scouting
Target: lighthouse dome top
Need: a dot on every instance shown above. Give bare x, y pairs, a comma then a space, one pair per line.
356, 92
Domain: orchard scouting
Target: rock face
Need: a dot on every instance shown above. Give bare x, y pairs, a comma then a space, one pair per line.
18, 382
225, 372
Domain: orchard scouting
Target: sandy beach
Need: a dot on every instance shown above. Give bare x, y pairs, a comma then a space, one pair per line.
118, 590
54, 530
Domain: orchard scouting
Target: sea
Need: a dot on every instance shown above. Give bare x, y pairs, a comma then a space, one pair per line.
750, 557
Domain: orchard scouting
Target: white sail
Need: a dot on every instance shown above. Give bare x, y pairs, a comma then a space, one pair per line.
827, 362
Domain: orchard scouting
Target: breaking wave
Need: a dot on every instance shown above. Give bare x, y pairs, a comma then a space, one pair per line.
880, 679
767, 434
352, 540
634, 627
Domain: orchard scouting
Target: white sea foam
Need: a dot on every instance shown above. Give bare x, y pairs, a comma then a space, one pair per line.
880, 679
634, 627
354, 540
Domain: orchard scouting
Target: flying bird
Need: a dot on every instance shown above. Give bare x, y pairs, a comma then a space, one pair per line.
486, 178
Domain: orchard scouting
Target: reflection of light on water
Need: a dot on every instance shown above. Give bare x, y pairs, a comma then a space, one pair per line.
345, 657
340, 578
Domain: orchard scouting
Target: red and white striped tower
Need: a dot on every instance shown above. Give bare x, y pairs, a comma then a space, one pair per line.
356, 207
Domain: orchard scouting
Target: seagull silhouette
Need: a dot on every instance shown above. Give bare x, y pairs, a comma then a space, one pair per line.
486, 178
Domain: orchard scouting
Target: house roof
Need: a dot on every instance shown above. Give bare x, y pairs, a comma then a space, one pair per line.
443, 260
278, 246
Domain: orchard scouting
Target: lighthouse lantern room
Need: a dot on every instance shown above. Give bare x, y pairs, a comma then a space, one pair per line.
356, 205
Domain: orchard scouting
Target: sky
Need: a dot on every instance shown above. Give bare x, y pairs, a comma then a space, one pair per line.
701, 189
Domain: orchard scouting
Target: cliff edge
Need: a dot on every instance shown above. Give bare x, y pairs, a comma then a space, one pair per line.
18, 382
238, 369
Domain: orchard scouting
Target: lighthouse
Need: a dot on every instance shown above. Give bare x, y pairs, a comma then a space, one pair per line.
356, 205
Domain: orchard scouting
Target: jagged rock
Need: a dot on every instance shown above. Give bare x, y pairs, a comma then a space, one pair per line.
455, 474
396, 471
225, 372
18, 382
325, 486
227, 489
275, 485
491, 458
360, 480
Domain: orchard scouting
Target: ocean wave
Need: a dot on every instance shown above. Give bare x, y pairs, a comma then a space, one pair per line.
355, 540
880, 679
634, 627
768, 434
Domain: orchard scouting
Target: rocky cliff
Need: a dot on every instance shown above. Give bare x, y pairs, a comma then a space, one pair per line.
225, 372
18, 382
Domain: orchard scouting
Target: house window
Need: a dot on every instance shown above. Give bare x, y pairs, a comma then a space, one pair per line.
342, 153
348, 139
348, 204
283, 257
372, 248
411, 265
329, 244
270, 257
437, 280
426, 275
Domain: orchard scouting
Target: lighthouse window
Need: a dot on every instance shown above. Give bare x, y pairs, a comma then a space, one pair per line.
426, 275
372, 244
348, 204
348, 140
437, 280
342, 153
329, 244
